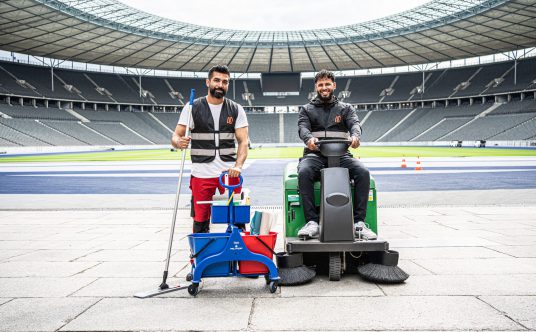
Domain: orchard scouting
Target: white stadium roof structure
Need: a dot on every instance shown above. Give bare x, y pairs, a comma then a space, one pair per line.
108, 32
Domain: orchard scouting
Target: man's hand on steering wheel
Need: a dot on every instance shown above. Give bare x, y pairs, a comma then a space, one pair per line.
311, 143
355, 143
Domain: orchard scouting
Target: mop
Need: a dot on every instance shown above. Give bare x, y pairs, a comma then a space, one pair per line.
164, 287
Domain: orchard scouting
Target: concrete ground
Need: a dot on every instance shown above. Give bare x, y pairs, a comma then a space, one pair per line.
73, 263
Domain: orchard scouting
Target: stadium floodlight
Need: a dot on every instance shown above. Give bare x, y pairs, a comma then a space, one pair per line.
25, 84
417, 90
103, 91
147, 93
387, 92
344, 94
462, 86
248, 96
495, 82
71, 88
176, 95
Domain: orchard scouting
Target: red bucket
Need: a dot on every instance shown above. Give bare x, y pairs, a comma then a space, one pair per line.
254, 245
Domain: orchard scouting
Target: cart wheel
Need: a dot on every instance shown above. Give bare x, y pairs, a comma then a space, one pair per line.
273, 286
335, 266
193, 289
189, 277
267, 278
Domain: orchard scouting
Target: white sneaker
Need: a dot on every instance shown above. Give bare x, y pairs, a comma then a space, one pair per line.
362, 232
310, 230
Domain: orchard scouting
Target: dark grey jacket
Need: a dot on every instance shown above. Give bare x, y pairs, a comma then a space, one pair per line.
333, 119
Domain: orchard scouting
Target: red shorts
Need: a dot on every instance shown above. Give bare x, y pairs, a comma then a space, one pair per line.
203, 190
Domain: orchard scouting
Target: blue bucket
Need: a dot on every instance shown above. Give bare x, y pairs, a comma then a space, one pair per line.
220, 214
198, 241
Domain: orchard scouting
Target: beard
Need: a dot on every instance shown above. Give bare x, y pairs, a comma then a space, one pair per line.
217, 93
325, 99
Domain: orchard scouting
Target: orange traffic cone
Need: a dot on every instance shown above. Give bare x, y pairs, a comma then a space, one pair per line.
403, 163
418, 166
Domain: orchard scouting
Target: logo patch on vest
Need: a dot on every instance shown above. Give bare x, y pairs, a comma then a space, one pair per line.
230, 120
338, 119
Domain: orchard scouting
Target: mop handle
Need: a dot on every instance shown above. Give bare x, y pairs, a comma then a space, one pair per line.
191, 103
177, 196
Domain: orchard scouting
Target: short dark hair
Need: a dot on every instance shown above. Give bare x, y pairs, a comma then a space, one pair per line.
324, 73
223, 69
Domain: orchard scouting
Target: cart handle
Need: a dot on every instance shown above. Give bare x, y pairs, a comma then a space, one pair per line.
231, 187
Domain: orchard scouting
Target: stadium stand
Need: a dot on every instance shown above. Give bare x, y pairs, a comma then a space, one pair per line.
106, 109
30, 112
168, 119
484, 76
291, 128
130, 121
440, 129
80, 132
118, 133
525, 130
419, 121
264, 128
39, 131
488, 126
125, 89
402, 88
379, 122
8, 83
39, 77
17, 138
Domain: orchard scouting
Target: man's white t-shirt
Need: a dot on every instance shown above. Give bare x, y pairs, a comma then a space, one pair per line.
214, 168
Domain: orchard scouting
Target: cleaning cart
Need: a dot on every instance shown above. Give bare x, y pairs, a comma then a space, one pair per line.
227, 254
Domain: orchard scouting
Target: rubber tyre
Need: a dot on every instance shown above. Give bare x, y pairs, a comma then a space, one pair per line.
273, 286
193, 289
189, 277
267, 278
335, 266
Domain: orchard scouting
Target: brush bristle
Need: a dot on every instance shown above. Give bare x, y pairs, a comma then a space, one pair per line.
382, 273
294, 276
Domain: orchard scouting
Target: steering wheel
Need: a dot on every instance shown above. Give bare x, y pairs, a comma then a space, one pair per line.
334, 141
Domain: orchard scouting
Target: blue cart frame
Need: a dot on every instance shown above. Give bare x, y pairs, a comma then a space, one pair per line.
233, 251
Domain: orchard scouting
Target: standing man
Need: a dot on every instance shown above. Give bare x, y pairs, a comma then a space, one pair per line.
215, 123
325, 117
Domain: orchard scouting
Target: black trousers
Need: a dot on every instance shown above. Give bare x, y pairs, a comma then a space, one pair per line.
309, 172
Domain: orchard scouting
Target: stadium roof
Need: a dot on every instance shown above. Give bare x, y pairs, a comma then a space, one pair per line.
110, 33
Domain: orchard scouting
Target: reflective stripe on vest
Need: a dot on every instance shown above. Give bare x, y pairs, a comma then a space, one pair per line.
330, 134
227, 136
202, 152
228, 151
203, 136
210, 136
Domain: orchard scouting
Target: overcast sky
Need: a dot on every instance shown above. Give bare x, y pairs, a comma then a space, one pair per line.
273, 14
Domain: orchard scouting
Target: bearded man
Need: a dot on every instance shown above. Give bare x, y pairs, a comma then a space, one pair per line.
215, 123
325, 117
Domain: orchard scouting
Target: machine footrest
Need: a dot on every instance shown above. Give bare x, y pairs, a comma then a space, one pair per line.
294, 244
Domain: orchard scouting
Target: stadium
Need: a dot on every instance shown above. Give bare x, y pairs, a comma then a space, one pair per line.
90, 95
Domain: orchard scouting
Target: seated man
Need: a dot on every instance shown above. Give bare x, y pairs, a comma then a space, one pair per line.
325, 117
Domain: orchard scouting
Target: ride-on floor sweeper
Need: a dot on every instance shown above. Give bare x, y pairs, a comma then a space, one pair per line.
337, 249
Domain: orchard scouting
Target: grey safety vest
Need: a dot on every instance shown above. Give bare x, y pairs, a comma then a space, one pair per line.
204, 135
